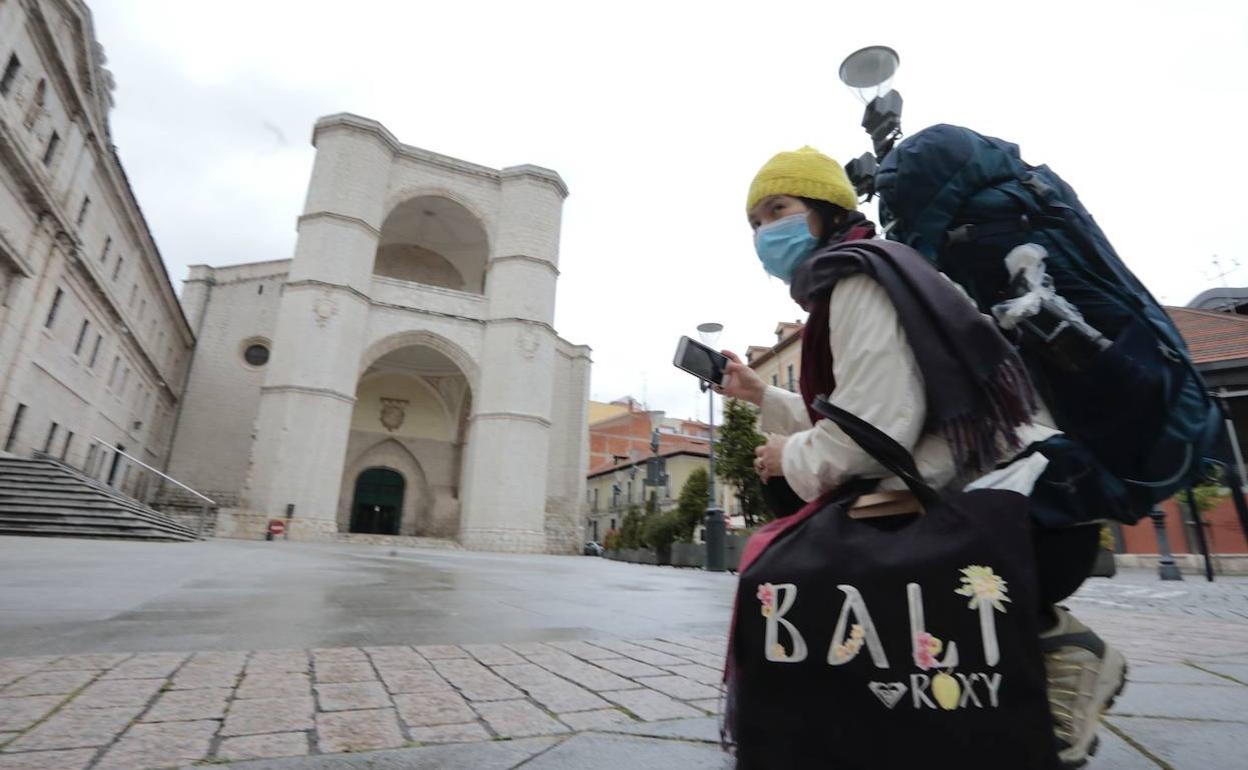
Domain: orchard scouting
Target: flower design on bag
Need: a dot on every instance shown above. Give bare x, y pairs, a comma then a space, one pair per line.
852, 645
767, 596
778, 652
926, 649
984, 587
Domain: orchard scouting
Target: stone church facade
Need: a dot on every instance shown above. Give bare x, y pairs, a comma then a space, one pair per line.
400, 375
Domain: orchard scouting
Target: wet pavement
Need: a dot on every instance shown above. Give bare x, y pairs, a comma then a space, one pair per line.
61, 596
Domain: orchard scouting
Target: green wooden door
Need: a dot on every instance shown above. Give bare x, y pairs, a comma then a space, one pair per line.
378, 502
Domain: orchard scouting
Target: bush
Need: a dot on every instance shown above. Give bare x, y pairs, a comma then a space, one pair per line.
661, 530
612, 541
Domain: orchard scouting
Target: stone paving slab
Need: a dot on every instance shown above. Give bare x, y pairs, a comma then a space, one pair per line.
264, 746
146, 746
88, 661
1176, 673
1234, 671
704, 729
49, 683
489, 755
20, 713
1185, 701
435, 708
1183, 745
518, 719
463, 733
118, 692
358, 731
592, 750
268, 715
352, 695
188, 705
74, 729
65, 759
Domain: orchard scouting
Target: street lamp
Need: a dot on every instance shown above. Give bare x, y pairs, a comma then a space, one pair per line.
714, 521
869, 74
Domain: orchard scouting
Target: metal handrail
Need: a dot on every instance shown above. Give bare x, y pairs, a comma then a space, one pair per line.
164, 476
207, 501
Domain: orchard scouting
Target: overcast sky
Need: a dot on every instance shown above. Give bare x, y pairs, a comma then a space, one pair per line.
658, 114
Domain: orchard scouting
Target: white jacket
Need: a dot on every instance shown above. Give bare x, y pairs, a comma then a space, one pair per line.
877, 379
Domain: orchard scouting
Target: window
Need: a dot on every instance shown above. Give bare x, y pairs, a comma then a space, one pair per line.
14, 427
10, 74
69, 437
630, 492
82, 210
256, 354
125, 380
47, 444
108, 244
56, 304
95, 351
792, 387
260, 289
82, 336
134, 293
112, 375
53, 142
775, 380
142, 308
117, 268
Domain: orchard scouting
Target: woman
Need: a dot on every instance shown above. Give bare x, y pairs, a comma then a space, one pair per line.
900, 347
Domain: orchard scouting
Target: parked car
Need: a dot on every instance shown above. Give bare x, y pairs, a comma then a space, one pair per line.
593, 549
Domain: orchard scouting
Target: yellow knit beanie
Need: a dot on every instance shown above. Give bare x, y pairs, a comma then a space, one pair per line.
805, 173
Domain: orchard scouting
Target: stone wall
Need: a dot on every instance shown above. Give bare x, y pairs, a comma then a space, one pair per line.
232, 307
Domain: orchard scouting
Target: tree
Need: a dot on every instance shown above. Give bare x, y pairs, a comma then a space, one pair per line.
734, 459
630, 528
691, 504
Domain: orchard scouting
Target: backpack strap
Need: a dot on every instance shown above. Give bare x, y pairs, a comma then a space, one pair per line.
880, 446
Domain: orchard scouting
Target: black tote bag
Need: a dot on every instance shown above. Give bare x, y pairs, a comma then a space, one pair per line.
901, 642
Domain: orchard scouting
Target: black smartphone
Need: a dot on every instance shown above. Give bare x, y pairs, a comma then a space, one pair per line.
700, 361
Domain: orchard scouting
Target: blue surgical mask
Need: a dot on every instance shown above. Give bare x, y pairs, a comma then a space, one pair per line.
783, 245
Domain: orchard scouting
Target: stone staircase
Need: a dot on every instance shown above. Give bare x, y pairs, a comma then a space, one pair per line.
45, 498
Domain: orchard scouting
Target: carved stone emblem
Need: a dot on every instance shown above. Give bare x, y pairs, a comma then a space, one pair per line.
324, 309
393, 412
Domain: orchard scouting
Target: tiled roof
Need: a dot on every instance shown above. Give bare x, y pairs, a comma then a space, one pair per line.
1212, 336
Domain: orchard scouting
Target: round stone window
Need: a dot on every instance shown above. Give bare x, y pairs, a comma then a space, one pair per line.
256, 354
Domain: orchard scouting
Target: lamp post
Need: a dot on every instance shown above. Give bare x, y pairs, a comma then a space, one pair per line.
869, 73
714, 520
1166, 568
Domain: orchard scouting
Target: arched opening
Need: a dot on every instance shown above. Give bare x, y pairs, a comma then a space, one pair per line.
434, 241
377, 505
409, 417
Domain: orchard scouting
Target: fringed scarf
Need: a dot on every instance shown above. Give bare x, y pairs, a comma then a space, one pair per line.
978, 392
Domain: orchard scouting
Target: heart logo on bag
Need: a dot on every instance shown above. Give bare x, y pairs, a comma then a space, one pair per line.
889, 693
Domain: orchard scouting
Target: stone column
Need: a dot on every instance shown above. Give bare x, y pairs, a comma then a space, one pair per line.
304, 417
509, 432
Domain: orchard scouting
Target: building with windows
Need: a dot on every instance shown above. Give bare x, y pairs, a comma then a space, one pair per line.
779, 364
399, 375
93, 343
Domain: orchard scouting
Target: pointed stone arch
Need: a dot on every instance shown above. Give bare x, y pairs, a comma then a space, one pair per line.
418, 499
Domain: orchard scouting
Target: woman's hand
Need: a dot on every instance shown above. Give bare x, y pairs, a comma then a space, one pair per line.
741, 382
769, 458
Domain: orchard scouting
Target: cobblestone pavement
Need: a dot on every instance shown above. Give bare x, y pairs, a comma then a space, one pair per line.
579, 704
1140, 590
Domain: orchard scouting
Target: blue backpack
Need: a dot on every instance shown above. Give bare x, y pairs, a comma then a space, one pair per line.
1139, 409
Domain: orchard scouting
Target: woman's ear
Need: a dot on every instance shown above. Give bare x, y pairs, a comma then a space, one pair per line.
814, 223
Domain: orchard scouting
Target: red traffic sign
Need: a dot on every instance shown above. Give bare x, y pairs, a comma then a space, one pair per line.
276, 526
